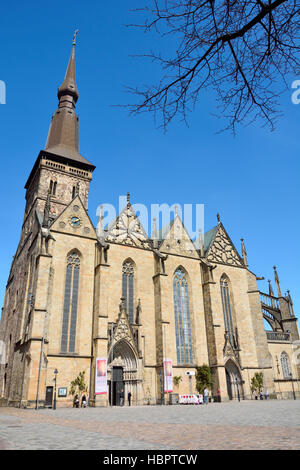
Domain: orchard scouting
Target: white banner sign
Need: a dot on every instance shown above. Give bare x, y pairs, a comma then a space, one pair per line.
101, 376
168, 375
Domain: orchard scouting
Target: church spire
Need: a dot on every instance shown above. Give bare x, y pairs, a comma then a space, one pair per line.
68, 87
244, 252
154, 233
277, 282
63, 133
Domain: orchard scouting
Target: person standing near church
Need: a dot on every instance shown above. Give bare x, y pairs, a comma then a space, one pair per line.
122, 397
205, 395
129, 398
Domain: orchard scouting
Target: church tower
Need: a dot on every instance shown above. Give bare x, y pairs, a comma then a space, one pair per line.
60, 175
60, 169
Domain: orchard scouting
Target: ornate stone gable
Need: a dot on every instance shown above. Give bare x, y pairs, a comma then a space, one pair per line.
229, 352
127, 230
123, 331
176, 240
222, 250
74, 220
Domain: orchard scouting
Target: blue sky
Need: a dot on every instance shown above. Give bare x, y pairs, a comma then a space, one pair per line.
251, 179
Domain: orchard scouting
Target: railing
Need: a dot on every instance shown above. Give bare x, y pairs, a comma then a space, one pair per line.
269, 301
278, 336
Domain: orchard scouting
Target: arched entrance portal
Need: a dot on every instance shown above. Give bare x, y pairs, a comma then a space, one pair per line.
122, 373
234, 381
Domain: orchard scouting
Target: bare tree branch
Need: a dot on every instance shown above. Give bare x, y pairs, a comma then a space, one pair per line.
241, 49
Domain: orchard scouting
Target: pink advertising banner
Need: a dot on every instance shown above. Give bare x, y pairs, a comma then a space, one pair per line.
101, 376
168, 375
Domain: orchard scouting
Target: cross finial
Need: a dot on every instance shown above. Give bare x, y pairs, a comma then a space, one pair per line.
218, 217
128, 199
74, 38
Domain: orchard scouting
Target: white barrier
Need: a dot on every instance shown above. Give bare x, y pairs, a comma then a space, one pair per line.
190, 399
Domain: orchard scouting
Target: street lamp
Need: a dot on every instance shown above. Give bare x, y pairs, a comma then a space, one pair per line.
291, 377
54, 402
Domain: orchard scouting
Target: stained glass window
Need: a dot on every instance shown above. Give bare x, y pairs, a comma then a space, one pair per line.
182, 318
285, 365
69, 322
128, 288
226, 304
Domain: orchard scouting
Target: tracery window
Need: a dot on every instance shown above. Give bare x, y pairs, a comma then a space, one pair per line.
68, 336
227, 310
182, 318
128, 288
285, 365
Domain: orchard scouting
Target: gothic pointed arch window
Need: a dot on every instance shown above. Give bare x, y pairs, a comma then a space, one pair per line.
70, 306
128, 288
227, 310
285, 365
183, 332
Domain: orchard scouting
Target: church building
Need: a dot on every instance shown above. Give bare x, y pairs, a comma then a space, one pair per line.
77, 294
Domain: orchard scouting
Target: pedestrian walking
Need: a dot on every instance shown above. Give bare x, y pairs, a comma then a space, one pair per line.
267, 396
205, 395
219, 395
129, 398
261, 397
83, 401
122, 397
76, 402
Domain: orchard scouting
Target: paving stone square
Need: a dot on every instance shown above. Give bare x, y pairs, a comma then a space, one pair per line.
272, 425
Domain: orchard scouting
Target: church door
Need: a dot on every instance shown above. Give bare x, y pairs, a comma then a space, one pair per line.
234, 381
116, 386
49, 396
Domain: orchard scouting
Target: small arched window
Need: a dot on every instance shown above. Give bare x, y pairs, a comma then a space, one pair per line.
285, 365
68, 335
128, 288
52, 187
182, 318
227, 310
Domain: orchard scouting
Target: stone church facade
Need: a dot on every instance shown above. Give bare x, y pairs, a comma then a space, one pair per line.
76, 293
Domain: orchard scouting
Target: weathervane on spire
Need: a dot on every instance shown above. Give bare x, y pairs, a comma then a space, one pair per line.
74, 38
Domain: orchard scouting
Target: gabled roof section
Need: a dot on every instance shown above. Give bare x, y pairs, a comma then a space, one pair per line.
220, 249
127, 229
74, 220
176, 240
123, 332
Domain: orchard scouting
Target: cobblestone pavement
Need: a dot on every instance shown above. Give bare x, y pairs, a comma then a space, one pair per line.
273, 424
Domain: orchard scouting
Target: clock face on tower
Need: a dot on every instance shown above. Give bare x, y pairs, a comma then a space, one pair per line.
75, 221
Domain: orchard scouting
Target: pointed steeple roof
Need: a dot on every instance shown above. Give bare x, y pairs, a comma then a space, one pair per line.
68, 86
63, 136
